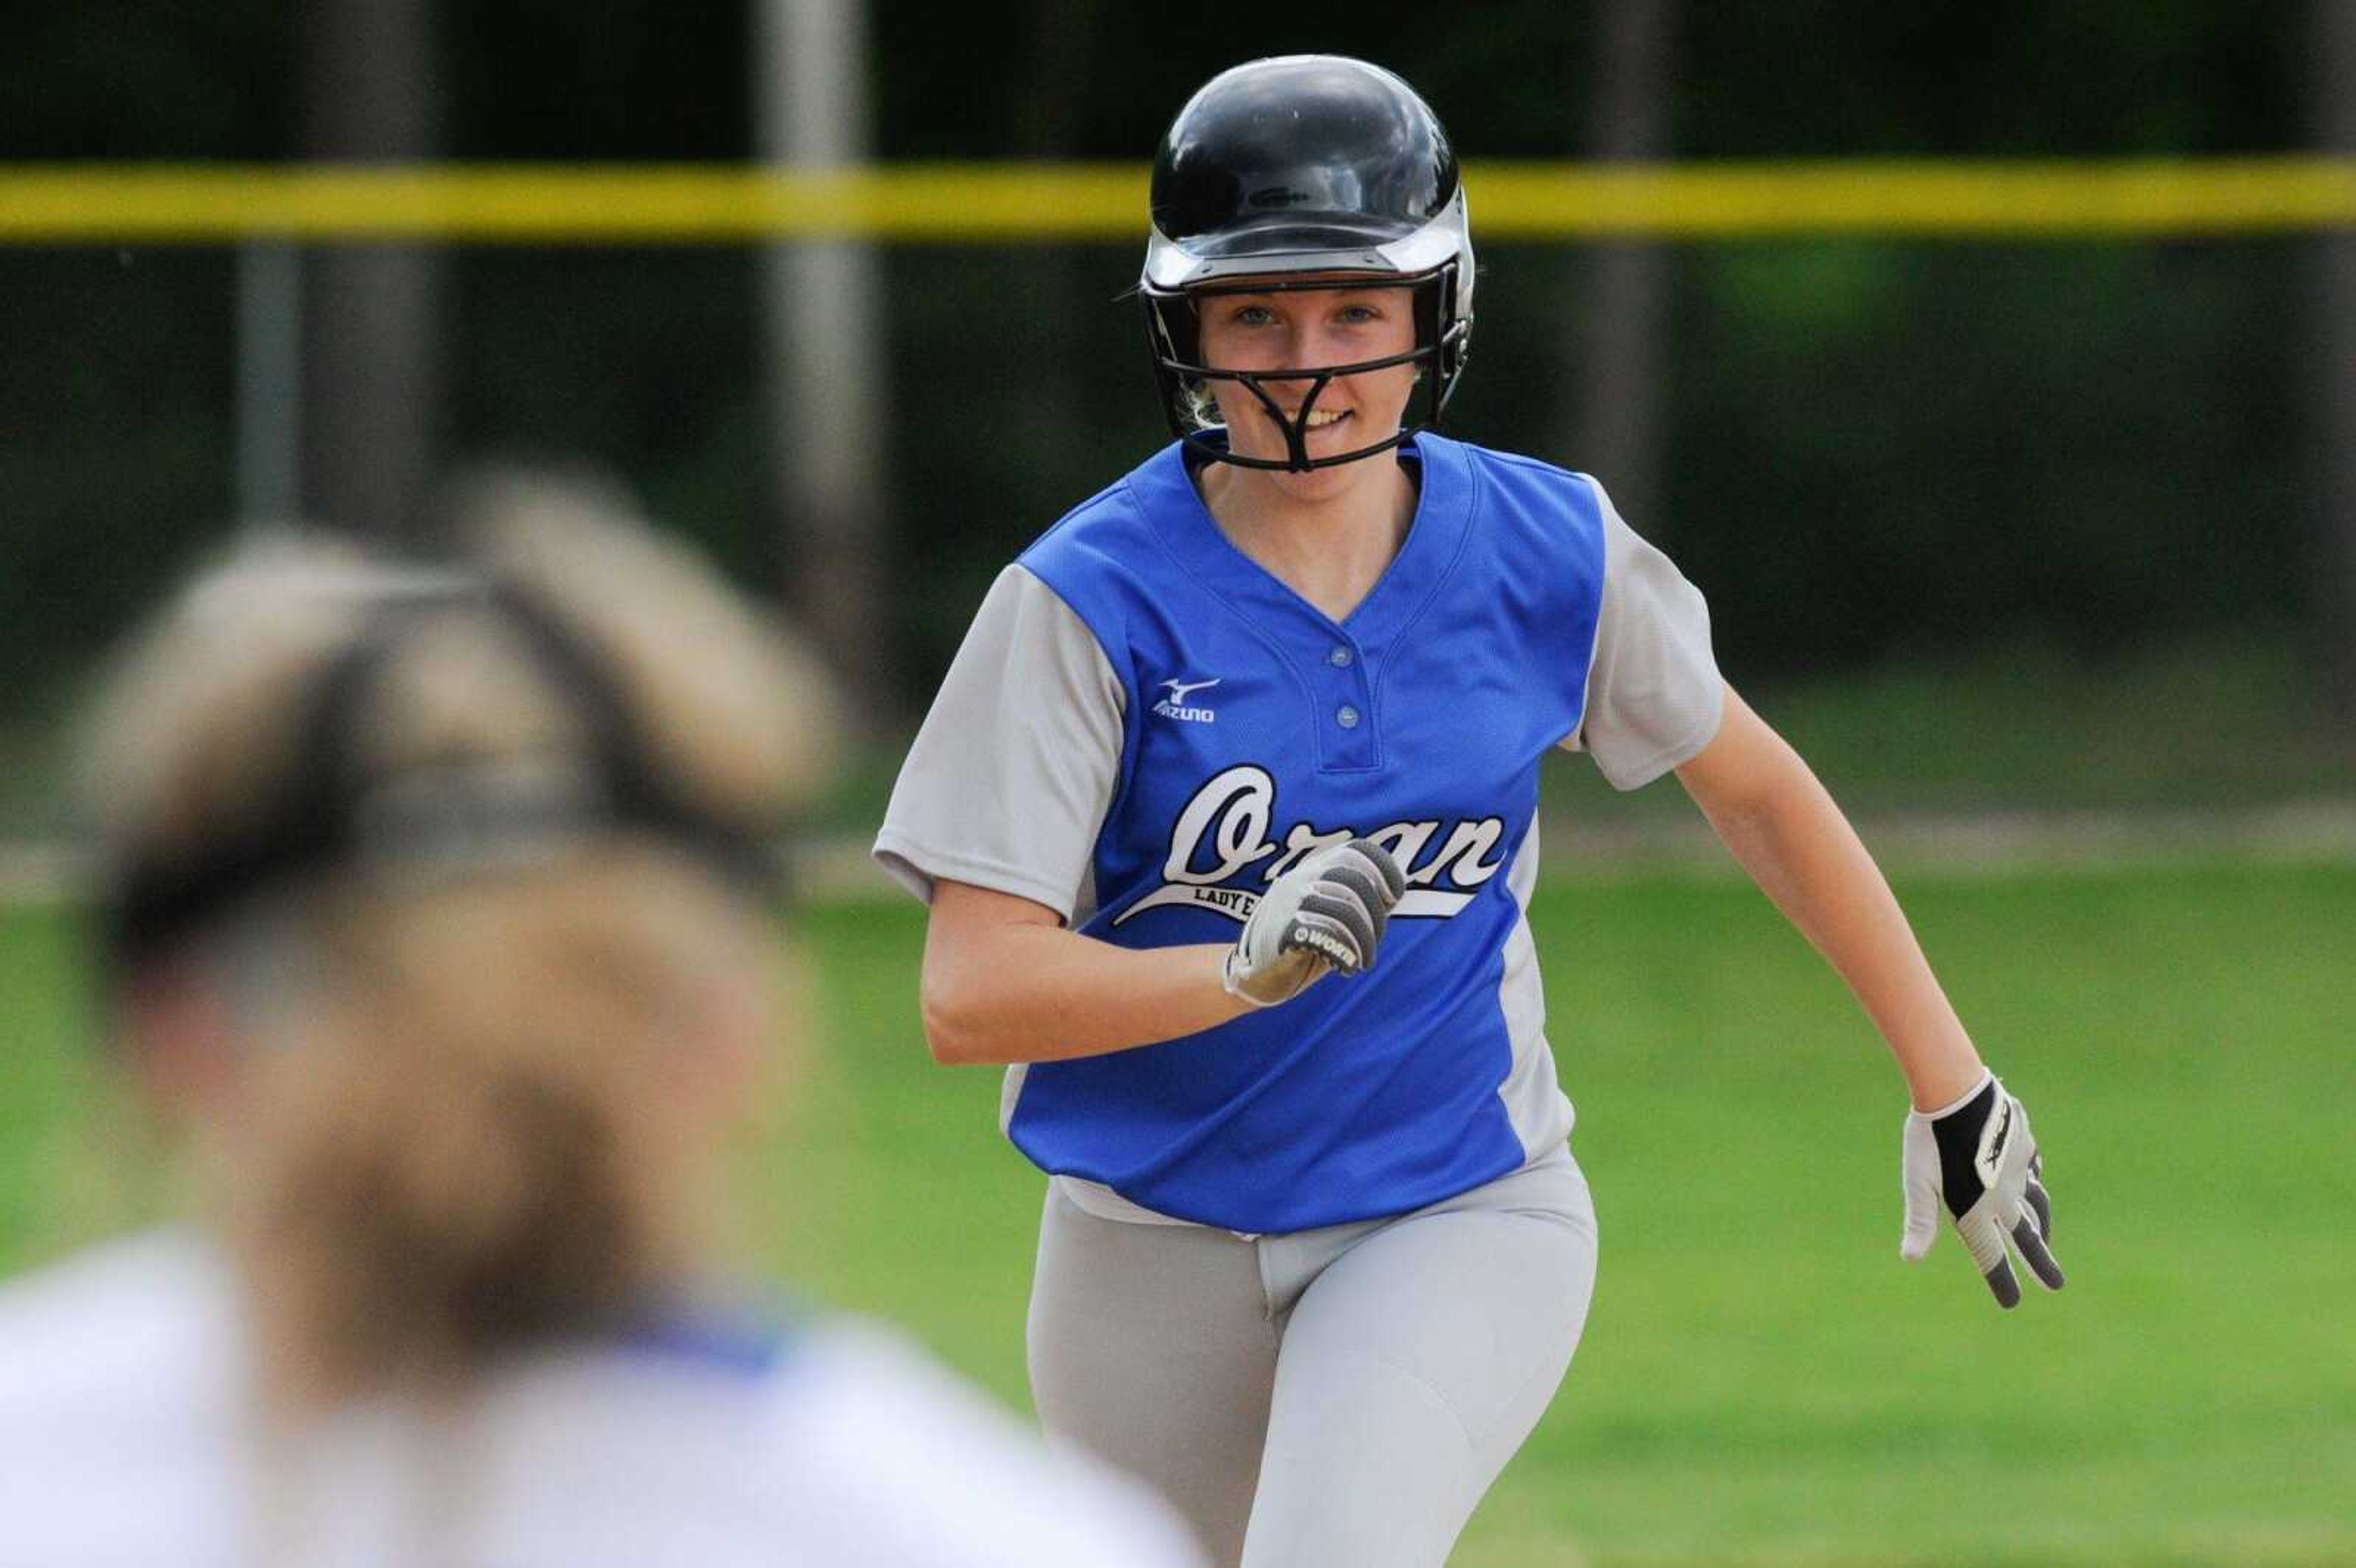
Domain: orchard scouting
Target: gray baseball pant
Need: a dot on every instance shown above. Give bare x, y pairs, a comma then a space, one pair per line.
1335, 1398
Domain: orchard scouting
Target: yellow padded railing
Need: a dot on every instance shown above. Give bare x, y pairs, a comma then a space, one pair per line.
1036, 203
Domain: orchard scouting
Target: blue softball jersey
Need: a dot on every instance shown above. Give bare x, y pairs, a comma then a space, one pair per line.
1145, 728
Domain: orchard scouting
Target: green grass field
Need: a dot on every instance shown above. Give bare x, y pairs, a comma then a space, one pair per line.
2010, 726
1761, 1381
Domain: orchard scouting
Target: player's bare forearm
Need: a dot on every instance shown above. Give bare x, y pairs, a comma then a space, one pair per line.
1003, 981
1784, 828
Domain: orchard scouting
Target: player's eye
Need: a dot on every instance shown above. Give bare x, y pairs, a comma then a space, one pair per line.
1359, 314
1252, 315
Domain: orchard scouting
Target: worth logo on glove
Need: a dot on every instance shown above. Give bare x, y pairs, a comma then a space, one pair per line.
1326, 916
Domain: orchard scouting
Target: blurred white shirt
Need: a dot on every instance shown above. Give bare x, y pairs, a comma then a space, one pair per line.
125, 1439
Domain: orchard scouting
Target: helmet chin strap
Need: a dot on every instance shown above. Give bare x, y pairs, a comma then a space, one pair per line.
1296, 427
1296, 430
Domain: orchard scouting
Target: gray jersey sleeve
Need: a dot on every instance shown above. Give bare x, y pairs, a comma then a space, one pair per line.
1014, 768
1654, 693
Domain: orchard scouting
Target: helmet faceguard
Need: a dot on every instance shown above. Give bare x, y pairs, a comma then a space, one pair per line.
1305, 172
1173, 329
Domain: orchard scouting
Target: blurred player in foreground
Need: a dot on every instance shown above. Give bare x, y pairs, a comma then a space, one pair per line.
1268, 709
441, 920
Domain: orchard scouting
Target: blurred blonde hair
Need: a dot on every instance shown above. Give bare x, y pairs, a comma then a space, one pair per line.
451, 1137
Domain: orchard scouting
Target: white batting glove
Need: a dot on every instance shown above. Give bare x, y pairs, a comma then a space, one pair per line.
1976, 1156
1325, 915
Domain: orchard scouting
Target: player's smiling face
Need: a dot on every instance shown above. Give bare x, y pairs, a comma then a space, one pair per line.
1310, 330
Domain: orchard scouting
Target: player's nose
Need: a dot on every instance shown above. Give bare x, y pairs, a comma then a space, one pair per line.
1309, 351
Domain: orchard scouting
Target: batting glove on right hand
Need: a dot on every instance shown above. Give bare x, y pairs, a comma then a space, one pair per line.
1977, 1156
1325, 914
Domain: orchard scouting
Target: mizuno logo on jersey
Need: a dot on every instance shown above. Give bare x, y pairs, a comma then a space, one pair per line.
1175, 705
1224, 830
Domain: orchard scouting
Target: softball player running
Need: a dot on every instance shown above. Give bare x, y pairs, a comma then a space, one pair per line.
439, 919
1225, 812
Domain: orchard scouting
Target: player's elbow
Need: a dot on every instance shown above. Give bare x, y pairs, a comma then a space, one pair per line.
978, 1006
957, 1019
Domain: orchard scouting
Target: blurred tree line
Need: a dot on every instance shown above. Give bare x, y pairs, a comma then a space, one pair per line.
1861, 449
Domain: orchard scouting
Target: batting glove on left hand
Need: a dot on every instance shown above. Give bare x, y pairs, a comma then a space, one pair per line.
1325, 914
1977, 1156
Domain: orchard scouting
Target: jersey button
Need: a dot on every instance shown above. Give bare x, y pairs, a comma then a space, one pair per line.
1346, 717
1339, 658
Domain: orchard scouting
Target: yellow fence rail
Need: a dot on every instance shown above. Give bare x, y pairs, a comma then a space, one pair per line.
1028, 203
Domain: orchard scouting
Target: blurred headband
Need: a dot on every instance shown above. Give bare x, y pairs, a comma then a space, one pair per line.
433, 819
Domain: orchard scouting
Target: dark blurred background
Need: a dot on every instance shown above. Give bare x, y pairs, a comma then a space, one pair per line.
1934, 487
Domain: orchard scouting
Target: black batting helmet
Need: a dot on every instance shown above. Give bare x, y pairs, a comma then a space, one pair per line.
1308, 164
